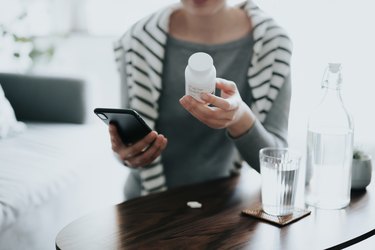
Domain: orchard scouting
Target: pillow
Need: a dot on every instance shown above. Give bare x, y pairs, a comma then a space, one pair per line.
9, 126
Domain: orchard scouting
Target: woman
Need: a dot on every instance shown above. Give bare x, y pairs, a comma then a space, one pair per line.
249, 112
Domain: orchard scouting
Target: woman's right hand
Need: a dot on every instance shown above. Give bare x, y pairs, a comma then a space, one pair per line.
140, 153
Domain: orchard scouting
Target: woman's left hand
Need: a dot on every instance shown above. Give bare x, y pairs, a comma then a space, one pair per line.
227, 111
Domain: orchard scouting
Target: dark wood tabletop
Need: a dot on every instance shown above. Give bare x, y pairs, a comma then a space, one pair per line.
164, 221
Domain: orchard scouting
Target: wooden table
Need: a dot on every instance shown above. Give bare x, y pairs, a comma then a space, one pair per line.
163, 221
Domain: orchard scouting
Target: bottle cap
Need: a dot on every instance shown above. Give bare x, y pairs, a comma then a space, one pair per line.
200, 61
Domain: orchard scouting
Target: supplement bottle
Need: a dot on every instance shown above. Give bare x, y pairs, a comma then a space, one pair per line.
200, 75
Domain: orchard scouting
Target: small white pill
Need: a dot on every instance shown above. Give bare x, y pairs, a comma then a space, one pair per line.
194, 204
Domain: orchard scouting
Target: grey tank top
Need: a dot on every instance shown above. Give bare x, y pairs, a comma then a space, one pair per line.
195, 152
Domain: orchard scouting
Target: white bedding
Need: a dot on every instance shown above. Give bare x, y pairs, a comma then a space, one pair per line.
46, 159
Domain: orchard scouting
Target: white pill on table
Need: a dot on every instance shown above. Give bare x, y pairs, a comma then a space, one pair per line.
194, 204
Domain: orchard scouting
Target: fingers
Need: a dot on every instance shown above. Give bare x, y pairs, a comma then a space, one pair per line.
227, 86
214, 117
141, 145
225, 110
126, 153
140, 153
225, 104
150, 154
202, 111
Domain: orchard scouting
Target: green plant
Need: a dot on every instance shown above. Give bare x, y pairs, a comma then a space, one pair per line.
358, 154
35, 53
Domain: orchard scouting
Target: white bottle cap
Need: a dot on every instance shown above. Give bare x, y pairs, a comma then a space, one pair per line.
200, 62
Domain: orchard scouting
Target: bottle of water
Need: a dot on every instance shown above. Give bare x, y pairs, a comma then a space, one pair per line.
329, 147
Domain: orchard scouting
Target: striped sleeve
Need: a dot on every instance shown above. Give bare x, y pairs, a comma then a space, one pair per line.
270, 67
139, 56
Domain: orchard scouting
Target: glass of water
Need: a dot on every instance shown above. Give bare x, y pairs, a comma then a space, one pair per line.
279, 168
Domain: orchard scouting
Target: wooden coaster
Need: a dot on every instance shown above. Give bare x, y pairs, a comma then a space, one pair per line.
258, 212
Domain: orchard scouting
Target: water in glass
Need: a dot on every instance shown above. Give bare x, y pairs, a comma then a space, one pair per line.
279, 175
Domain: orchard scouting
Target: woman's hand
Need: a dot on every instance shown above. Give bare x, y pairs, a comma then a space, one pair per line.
228, 111
140, 153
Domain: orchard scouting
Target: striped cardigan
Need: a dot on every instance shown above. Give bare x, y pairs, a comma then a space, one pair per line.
140, 58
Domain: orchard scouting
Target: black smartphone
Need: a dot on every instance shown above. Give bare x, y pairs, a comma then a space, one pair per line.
129, 123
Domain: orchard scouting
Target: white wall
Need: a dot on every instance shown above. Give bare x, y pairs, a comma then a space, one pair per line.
330, 31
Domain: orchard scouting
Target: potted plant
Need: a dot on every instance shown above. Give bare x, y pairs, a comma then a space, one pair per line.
26, 48
361, 169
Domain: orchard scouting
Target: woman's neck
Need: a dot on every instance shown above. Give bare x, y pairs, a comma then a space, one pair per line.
225, 25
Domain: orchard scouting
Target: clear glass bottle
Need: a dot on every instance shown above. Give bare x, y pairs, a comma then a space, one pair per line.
329, 147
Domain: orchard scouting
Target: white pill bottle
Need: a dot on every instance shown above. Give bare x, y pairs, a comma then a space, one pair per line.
200, 75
